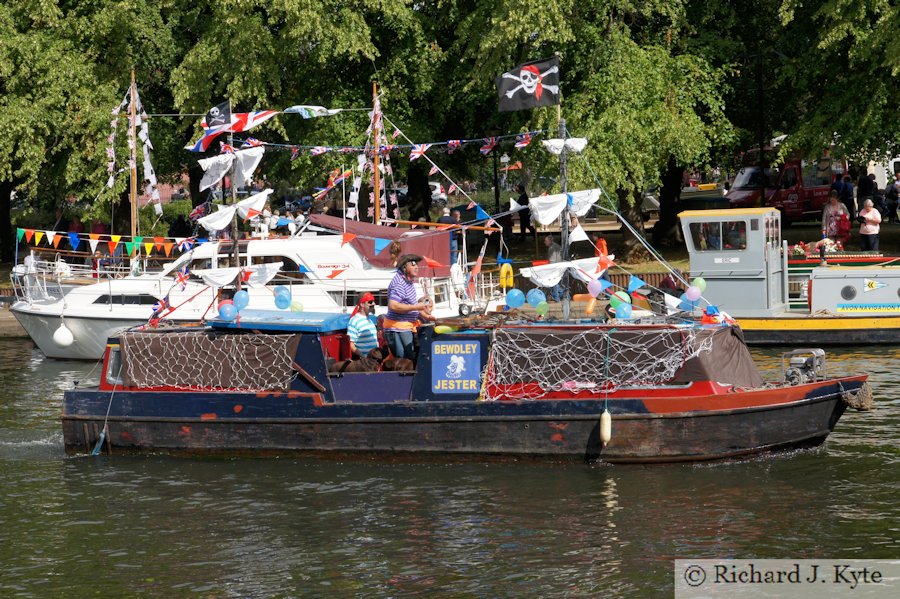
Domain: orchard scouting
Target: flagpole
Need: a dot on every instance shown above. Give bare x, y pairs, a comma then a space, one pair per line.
375, 128
234, 226
564, 225
133, 134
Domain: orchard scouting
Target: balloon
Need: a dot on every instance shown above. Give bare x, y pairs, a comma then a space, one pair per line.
686, 304
227, 311
282, 301
282, 290
515, 298
443, 328
699, 283
542, 308
296, 306
590, 307
619, 297
693, 293
241, 300
623, 311
535, 296
595, 287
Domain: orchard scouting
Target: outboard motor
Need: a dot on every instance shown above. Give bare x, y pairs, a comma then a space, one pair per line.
803, 366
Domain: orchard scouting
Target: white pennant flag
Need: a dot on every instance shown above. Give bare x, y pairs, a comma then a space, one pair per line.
578, 234
93, 243
672, 303
247, 161
218, 220
215, 168
253, 206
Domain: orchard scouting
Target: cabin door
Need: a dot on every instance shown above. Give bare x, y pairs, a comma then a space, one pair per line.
776, 264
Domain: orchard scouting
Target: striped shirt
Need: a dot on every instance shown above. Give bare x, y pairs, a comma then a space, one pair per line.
362, 333
402, 290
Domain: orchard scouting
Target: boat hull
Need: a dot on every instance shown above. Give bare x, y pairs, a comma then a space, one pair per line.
816, 331
643, 429
89, 333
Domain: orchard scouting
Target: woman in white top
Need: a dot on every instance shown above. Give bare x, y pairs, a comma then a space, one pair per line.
869, 227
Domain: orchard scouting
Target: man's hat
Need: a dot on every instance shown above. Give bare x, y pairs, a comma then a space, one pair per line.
401, 262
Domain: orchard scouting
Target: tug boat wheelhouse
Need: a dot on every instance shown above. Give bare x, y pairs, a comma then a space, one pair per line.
655, 393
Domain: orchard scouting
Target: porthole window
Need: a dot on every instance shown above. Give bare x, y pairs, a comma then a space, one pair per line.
848, 292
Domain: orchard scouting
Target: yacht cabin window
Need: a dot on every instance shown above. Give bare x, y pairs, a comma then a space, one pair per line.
719, 236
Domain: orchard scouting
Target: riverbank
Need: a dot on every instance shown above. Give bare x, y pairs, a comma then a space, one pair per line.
9, 326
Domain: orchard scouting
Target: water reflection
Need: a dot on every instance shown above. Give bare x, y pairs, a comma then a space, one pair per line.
165, 526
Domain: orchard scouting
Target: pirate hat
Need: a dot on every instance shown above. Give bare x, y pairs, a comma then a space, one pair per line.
402, 261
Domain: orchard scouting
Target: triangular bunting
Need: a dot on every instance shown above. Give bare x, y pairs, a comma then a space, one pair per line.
148, 247
113, 243
93, 243
158, 242
168, 247
29, 235
56, 239
74, 240
380, 244
51, 236
480, 214
634, 283
578, 234
20, 233
431, 263
129, 247
347, 238
38, 235
94, 236
138, 240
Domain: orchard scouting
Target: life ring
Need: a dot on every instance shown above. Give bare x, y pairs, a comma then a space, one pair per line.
507, 280
465, 310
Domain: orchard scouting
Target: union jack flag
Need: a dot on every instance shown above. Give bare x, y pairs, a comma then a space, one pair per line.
522, 140
187, 244
295, 152
227, 148
433, 170
452, 188
396, 134
160, 305
452, 145
489, 144
418, 151
471, 205
198, 211
318, 151
251, 142
181, 279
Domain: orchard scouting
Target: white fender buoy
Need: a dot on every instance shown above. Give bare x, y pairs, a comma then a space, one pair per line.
605, 428
63, 337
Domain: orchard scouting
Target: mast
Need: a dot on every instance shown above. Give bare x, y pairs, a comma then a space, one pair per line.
564, 226
133, 137
376, 128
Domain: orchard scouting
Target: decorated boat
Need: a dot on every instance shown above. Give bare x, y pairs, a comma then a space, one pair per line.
745, 266
501, 387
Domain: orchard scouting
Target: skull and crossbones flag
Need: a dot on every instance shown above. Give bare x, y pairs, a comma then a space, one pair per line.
530, 85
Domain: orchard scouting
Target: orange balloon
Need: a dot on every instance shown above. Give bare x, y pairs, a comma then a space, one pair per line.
590, 307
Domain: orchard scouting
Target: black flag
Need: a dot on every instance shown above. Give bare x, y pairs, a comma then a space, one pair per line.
218, 115
530, 85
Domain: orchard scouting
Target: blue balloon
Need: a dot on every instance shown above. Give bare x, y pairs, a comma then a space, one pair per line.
282, 302
227, 312
623, 311
515, 298
534, 297
282, 290
686, 304
241, 300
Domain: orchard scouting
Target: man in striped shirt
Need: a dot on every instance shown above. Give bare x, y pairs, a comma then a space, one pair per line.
361, 330
404, 310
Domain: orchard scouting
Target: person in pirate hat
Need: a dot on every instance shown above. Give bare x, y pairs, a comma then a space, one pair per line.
404, 309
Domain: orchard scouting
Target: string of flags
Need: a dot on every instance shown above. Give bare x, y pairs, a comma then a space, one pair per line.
148, 245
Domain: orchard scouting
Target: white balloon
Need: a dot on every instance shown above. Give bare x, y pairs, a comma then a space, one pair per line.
63, 337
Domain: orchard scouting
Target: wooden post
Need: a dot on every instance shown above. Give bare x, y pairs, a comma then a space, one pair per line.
376, 128
133, 134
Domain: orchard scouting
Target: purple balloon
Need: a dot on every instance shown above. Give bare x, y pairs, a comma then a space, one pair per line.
595, 287
693, 293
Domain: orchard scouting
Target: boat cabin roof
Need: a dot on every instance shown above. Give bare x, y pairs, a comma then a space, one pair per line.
725, 213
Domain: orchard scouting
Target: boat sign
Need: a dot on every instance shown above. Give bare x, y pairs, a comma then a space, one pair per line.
456, 366
728, 260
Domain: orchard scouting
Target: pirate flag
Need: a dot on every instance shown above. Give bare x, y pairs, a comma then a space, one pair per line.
218, 115
530, 85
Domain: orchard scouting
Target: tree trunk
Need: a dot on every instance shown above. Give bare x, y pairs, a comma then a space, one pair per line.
195, 174
629, 207
666, 233
7, 235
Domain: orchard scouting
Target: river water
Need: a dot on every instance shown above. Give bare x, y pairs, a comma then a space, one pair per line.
175, 527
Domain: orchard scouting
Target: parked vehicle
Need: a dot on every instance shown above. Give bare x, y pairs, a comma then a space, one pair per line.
799, 189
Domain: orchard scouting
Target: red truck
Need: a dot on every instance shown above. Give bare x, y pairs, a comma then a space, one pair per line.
800, 189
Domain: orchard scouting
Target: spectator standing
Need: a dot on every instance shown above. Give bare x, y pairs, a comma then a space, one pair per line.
834, 215
554, 254
892, 195
847, 195
524, 214
869, 227
864, 188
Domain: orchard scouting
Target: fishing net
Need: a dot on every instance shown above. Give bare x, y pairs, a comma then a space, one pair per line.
526, 364
207, 361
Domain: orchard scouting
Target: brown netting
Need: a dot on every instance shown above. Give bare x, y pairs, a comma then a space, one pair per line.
205, 360
592, 359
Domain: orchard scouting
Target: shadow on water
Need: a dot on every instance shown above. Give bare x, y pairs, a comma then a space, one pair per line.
163, 526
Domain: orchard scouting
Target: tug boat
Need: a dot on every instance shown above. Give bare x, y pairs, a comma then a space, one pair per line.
748, 273
487, 387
